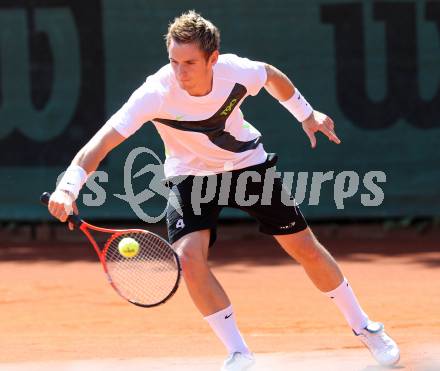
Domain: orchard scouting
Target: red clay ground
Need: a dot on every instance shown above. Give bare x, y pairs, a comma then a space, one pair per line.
55, 304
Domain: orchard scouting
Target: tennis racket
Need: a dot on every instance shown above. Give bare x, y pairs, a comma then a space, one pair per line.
149, 278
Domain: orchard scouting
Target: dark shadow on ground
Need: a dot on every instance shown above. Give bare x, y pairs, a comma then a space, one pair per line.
424, 250
240, 243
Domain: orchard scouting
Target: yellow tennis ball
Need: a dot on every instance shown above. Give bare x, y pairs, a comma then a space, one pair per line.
128, 247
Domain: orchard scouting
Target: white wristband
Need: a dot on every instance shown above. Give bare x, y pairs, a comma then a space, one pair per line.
73, 180
298, 106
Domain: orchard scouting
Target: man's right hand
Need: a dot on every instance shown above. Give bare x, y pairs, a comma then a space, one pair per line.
61, 205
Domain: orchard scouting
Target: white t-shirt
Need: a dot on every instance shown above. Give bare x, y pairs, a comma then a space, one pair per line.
202, 135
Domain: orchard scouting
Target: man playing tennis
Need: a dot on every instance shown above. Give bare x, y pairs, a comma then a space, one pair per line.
194, 102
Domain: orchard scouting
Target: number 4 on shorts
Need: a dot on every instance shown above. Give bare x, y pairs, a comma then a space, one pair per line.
180, 224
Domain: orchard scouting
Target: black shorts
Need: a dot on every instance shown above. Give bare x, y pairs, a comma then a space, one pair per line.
196, 201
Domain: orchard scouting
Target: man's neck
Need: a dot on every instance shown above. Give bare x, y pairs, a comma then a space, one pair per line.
202, 89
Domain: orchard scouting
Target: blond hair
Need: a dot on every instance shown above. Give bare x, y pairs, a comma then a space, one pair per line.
192, 27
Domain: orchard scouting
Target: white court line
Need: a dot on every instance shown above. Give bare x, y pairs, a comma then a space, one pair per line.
331, 360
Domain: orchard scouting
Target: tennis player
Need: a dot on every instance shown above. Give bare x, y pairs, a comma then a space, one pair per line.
194, 103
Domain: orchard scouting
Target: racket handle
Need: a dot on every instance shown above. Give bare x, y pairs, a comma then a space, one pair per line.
74, 219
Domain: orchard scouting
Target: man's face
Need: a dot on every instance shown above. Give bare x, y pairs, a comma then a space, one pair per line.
191, 68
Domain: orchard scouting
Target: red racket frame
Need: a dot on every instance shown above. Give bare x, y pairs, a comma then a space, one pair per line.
86, 227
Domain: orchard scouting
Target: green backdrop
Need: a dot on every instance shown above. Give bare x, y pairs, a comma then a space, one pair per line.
66, 66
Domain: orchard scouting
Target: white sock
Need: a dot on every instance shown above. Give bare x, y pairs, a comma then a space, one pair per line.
344, 298
224, 325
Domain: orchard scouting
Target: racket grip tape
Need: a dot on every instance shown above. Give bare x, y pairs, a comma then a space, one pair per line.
73, 218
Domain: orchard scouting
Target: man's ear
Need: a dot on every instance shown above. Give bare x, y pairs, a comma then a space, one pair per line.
214, 57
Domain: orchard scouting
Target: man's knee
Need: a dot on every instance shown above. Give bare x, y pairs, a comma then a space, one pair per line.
310, 250
303, 245
191, 250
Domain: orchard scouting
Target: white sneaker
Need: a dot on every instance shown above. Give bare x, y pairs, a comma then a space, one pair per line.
382, 347
238, 362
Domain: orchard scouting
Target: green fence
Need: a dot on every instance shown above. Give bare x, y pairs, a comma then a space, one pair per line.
66, 66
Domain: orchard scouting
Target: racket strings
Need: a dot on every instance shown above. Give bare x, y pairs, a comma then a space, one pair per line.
148, 277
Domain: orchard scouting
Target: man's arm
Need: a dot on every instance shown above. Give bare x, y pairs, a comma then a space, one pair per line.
86, 161
281, 88
141, 107
278, 84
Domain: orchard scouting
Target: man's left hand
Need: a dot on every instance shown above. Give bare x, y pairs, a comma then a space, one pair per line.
318, 121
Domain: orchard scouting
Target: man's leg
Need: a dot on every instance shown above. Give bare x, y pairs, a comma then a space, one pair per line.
326, 275
204, 289
315, 259
191, 234
207, 293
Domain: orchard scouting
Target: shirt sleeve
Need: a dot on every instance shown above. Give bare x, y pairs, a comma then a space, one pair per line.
143, 105
250, 73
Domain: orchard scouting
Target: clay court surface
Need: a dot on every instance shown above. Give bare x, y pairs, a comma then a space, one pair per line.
59, 313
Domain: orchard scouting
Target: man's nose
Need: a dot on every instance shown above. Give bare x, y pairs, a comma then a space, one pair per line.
181, 71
